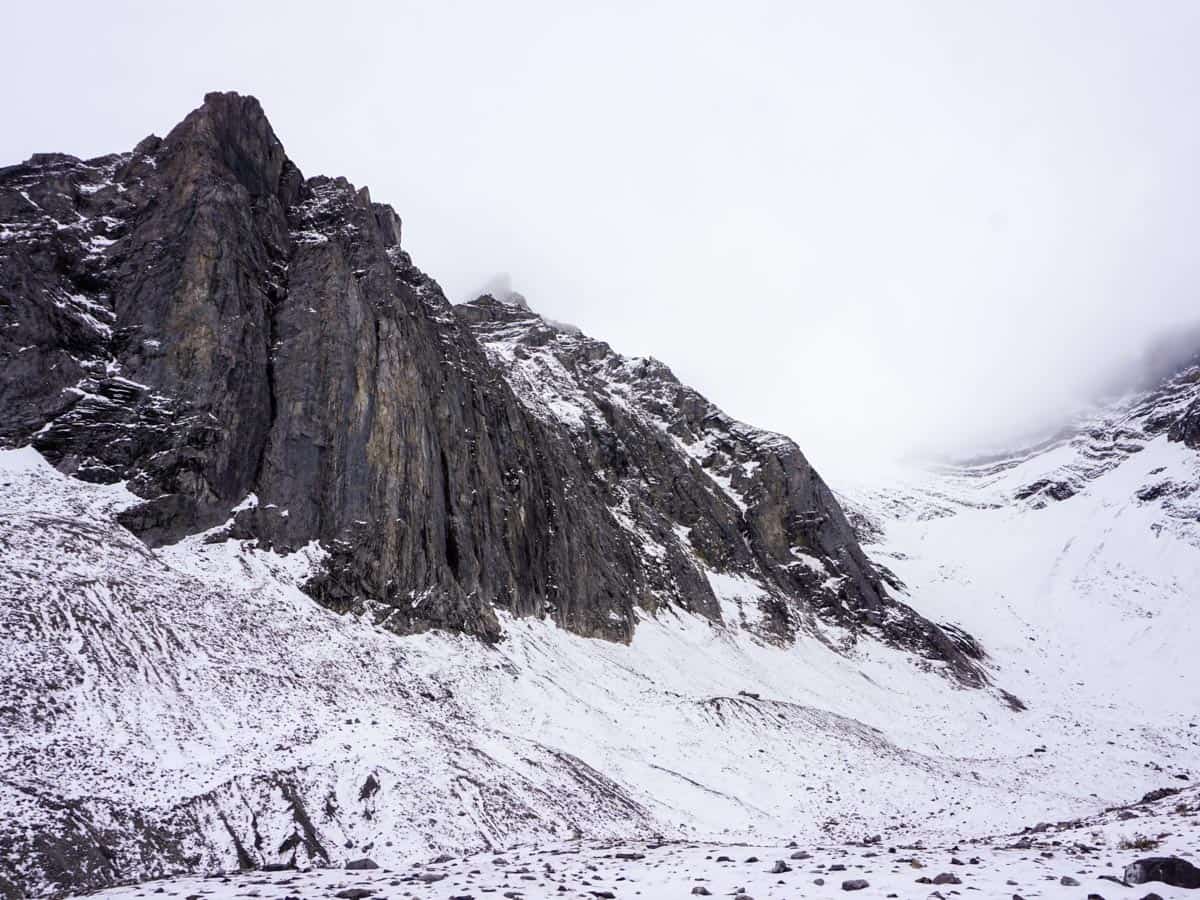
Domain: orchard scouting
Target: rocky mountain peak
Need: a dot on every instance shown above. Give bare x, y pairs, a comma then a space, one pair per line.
258, 359
233, 130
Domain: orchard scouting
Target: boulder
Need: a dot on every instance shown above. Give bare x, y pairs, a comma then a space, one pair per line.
1168, 869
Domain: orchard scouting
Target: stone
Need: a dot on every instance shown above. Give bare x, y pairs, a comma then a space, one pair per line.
1186, 429
855, 884
360, 864
947, 878
1168, 869
1158, 794
780, 867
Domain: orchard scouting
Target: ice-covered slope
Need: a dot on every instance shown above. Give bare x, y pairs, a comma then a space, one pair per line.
1084, 552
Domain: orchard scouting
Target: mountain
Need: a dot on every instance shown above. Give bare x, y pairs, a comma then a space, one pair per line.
302, 563
197, 320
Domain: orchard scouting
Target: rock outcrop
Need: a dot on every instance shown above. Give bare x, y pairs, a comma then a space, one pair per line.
1168, 869
1187, 427
256, 356
726, 520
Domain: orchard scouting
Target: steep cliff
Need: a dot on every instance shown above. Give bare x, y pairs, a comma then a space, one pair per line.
255, 355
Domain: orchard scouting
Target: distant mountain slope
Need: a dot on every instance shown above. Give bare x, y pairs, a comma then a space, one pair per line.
1076, 563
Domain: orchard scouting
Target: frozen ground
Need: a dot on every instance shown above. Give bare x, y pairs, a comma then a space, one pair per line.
1090, 855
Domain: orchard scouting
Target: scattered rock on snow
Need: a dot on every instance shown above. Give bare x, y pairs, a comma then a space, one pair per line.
1168, 869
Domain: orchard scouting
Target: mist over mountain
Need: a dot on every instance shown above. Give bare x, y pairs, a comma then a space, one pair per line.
956, 233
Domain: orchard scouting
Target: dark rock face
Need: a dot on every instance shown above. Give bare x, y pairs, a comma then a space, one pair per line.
1186, 428
716, 510
198, 319
1055, 490
1168, 869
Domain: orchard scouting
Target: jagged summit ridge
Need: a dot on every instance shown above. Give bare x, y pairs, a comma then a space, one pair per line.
254, 353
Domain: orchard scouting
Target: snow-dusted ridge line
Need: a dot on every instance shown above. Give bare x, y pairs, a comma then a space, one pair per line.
335, 354
766, 537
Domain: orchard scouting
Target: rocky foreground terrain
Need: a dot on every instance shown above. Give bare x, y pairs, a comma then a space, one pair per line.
301, 564
1075, 859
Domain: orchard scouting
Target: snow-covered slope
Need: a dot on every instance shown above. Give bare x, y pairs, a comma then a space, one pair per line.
188, 708
1077, 564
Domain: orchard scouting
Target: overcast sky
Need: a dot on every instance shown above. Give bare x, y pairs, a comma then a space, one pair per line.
878, 227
